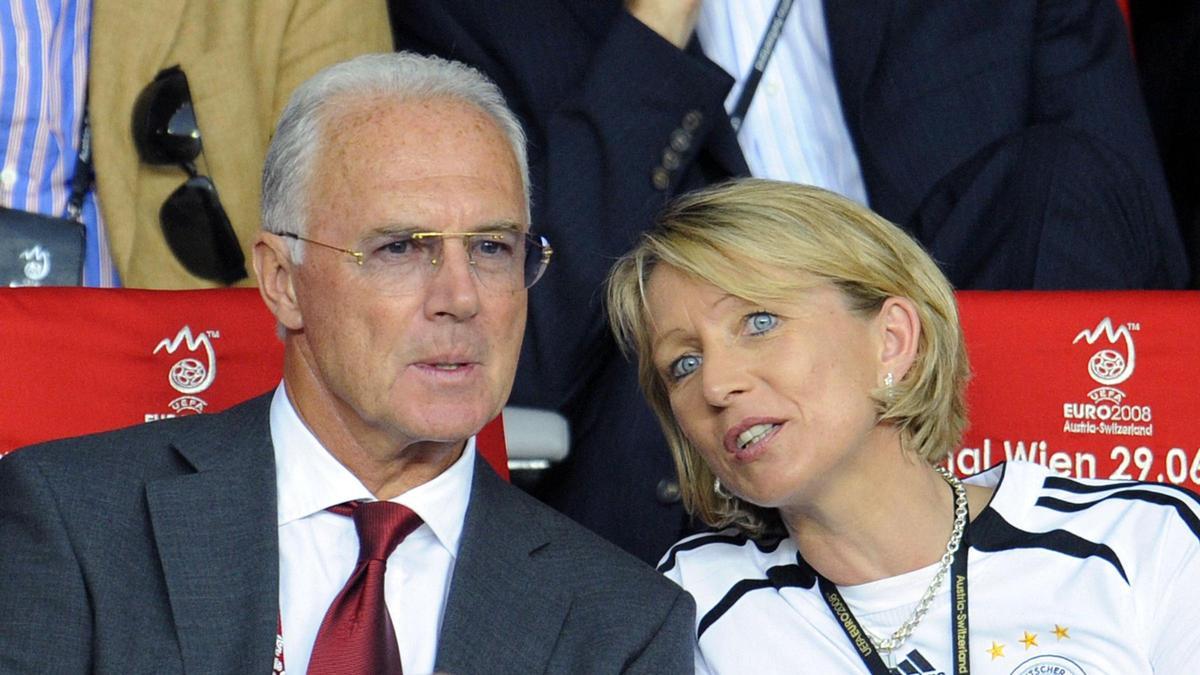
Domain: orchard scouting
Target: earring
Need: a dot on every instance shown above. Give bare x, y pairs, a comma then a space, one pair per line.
720, 490
889, 380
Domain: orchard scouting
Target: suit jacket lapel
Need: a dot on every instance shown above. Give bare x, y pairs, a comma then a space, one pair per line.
216, 532
856, 30
498, 596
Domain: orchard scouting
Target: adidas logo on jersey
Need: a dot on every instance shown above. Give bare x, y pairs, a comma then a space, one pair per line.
914, 664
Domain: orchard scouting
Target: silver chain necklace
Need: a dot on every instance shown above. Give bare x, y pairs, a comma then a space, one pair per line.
960, 525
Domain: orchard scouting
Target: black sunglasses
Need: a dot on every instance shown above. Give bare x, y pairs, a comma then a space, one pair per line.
193, 221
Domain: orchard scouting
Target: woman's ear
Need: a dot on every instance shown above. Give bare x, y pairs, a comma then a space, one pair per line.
276, 280
899, 328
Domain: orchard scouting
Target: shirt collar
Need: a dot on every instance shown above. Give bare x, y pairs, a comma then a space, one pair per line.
309, 479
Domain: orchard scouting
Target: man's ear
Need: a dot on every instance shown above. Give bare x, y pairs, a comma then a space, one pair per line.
276, 279
899, 328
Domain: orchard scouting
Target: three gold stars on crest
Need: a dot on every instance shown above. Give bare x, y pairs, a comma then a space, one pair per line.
1029, 640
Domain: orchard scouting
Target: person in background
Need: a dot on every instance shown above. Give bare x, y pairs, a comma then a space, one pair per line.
343, 523
805, 359
1009, 138
152, 215
1166, 37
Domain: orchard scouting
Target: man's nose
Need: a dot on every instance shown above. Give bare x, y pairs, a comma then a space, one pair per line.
452, 289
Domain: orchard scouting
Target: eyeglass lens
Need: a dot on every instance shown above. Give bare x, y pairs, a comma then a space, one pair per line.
194, 223
164, 125
501, 260
200, 234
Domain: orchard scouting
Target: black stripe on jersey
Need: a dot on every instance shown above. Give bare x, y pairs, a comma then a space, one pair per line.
1148, 496
1060, 483
733, 595
780, 576
1068, 485
765, 545
990, 532
920, 662
913, 664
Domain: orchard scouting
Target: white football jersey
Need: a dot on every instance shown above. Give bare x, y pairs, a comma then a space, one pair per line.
1065, 577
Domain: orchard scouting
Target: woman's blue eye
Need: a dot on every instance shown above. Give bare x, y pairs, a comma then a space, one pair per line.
683, 366
761, 322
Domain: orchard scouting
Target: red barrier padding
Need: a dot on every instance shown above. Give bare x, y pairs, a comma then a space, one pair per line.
1092, 384
80, 360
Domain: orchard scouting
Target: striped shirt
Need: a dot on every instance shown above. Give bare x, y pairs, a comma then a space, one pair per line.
1065, 576
43, 83
794, 129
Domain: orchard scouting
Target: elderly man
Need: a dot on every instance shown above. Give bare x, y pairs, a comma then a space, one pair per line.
342, 524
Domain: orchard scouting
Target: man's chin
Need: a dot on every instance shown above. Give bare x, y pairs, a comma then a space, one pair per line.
449, 424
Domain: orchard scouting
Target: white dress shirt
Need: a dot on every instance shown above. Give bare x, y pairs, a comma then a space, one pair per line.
318, 549
794, 129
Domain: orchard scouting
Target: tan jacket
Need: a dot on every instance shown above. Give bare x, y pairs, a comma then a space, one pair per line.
243, 58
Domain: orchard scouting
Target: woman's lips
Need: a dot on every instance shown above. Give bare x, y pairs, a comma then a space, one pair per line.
749, 439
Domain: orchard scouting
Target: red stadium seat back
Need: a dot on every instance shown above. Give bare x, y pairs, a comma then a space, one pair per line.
80, 360
1092, 384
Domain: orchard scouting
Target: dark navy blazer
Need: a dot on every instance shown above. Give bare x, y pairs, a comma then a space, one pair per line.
619, 120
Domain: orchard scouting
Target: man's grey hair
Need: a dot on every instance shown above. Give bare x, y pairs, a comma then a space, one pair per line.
402, 76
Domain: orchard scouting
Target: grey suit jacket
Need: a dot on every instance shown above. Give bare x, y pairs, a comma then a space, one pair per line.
155, 549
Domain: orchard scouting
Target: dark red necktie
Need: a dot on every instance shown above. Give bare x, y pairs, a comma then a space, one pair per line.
356, 635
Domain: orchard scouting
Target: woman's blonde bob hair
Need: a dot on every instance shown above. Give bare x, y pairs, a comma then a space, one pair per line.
764, 241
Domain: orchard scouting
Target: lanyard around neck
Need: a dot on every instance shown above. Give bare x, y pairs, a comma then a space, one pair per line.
769, 39
959, 627
81, 180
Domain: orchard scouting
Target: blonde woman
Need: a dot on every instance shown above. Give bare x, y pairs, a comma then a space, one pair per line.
805, 359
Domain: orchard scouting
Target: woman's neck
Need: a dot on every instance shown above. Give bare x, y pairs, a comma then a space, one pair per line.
877, 521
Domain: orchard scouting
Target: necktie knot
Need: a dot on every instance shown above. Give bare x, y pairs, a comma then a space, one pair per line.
381, 526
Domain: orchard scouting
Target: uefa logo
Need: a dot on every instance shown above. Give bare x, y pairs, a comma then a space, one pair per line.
192, 374
189, 375
1109, 366
36, 266
1107, 411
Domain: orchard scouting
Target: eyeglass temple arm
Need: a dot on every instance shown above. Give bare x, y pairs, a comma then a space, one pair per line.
357, 255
